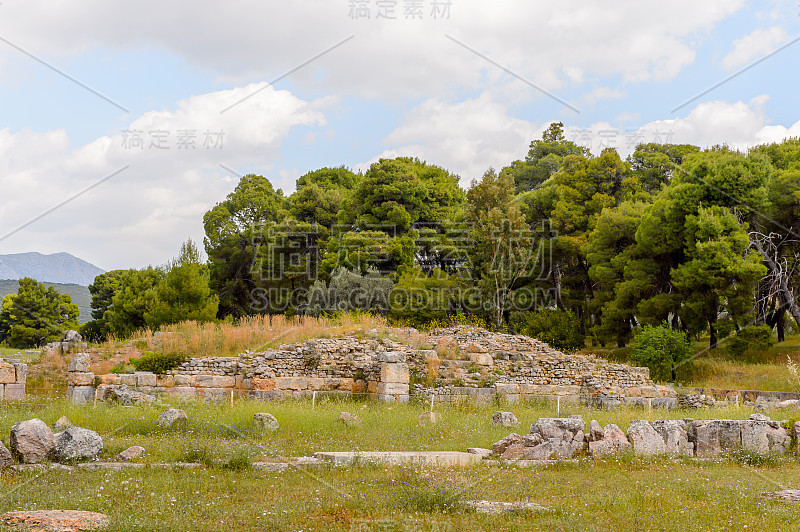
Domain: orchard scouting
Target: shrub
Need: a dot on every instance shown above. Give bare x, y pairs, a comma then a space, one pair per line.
157, 362
751, 338
558, 328
662, 349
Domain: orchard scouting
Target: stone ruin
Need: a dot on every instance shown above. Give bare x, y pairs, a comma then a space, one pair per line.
13, 375
467, 363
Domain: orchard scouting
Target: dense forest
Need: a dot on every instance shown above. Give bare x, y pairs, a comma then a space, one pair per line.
705, 241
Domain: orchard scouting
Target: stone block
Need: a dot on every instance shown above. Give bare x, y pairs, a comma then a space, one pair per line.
675, 436
14, 392
128, 379
8, 375
372, 387
165, 381
267, 395
76, 378
257, 383
392, 388
110, 379
183, 391
82, 394
291, 383
214, 394
359, 386
22, 372
481, 359
145, 378
214, 381
507, 389
391, 357
394, 373
645, 439
716, 436
331, 383
184, 380
2, 391
79, 362
797, 435
764, 437
315, 384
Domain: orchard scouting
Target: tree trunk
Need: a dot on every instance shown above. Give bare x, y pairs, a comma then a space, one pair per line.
785, 291
780, 325
557, 283
712, 334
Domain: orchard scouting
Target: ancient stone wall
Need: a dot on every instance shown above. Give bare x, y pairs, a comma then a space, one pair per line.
12, 380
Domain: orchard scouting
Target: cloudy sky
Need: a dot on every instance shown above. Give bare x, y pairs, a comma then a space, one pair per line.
122, 123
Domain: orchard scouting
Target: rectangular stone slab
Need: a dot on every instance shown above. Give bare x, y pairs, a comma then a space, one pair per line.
435, 458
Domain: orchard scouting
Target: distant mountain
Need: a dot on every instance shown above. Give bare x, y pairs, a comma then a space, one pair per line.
56, 268
80, 295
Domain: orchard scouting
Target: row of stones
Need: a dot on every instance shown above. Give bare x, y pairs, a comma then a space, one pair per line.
13, 376
564, 437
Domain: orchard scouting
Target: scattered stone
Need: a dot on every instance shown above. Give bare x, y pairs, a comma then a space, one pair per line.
429, 418
644, 438
500, 447
80, 363
266, 421
62, 424
759, 417
125, 396
76, 443
608, 440
673, 432
55, 520
72, 336
131, 453
497, 507
5, 456
31, 441
480, 451
792, 496
349, 420
564, 435
173, 418
715, 436
506, 419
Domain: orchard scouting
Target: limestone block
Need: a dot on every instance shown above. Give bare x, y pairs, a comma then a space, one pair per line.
13, 392
80, 363
266, 421
110, 379
507, 388
392, 388
8, 375
797, 435
716, 436
267, 395
165, 381
372, 387
359, 386
315, 384
31, 441
22, 372
763, 436
500, 447
76, 443
184, 380
214, 394
82, 394
214, 381
505, 419
607, 440
675, 436
128, 379
394, 373
2, 391
173, 418
481, 359
391, 357
258, 383
76, 378
183, 391
564, 435
145, 378
644, 438
291, 383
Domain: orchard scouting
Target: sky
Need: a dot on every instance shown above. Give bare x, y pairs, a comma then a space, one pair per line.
121, 124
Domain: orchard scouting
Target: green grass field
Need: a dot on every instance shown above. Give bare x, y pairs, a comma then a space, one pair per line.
623, 493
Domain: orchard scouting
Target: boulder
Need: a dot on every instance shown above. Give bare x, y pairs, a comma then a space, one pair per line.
5, 456
131, 453
608, 440
429, 418
480, 451
266, 421
500, 447
715, 436
644, 439
31, 441
564, 435
173, 418
675, 436
80, 363
763, 436
76, 443
515, 451
55, 520
62, 423
506, 419
72, 336
349, 420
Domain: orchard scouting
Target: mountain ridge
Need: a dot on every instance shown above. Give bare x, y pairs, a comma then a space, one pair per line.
62, 268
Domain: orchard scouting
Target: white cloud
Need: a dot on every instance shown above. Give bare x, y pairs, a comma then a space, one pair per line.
242, 40
755, 45
141, 215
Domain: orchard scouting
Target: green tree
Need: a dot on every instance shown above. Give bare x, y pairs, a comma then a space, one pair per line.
130, 304
662, 349
183, 293
103, 290
36, 315
350, 291
419, 299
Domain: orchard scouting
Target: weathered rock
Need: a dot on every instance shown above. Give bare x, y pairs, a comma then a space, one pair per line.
349, 420
514, 451
131, 453
541, 451
72, 336
500, 447
716, 436
80, 363
611, 440
55, 520
506, 419
675, 436
644, 439
125, 396
173, 418
565, 435
31, 441
498, 507
5, 456
763, 436
759, 417
792, 496
797, 435
480, 451
76, 443
8, 375
266, 421
429, 418
62, 423
82, 394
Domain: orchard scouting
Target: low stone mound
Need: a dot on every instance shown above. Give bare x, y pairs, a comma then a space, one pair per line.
55, 520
